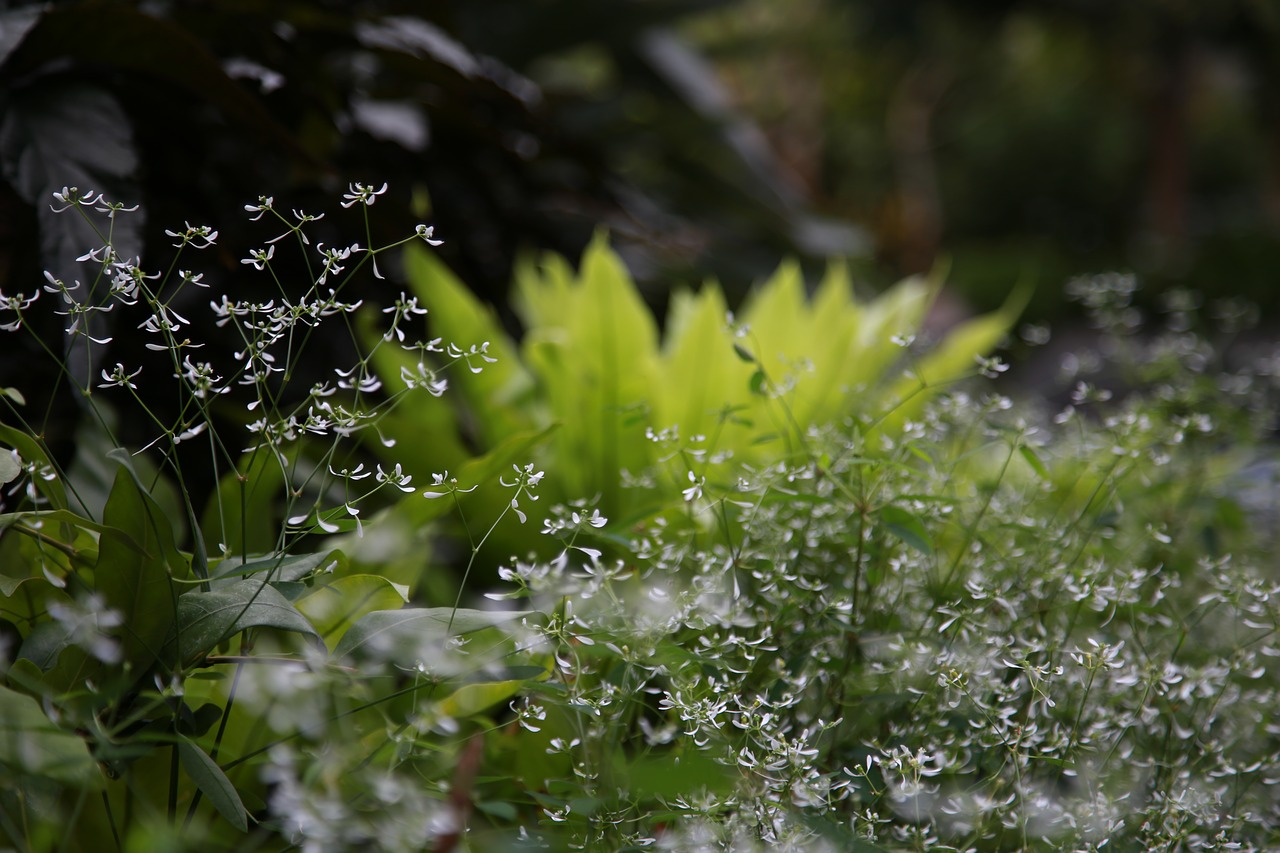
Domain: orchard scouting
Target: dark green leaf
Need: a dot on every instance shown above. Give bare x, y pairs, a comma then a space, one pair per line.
137, 559
33, 745
206, 619
279, 567
757, 382
744, 353
215, 785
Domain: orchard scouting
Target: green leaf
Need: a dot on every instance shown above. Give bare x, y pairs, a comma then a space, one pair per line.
32, 451
206, 619
33, 745
1033, 459
704, 371
471, 699
593, 346
388, 634
45, 643
907, 527
278, 567
243, 515
670, 776
333, 607
137, 559
493, 394
213, 783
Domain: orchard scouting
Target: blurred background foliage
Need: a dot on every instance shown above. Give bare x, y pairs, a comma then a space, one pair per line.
1027, 139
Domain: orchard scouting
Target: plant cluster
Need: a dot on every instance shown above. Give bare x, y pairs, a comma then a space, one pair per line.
830, 599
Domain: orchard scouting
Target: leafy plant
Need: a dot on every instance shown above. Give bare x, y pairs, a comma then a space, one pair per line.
622, 398
143, 641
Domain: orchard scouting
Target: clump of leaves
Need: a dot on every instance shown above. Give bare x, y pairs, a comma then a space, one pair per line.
622, 397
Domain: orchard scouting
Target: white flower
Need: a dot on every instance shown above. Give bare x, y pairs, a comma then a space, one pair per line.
258, 258
119, 377
360, 194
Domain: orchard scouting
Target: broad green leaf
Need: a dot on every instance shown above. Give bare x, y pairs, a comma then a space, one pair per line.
215, 785
898, 311
333, 607
953, 358
907, 527
137, 559
390, 633
243, 515
206, 619
45, 643
33, 745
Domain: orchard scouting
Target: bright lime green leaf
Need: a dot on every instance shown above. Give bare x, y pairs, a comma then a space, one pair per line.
703, 370
471, 699
333, 607
493, 393
1033, 459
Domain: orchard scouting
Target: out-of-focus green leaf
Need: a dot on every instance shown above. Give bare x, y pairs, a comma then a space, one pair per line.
703, 370
333, 607
471, 699
667, 777
10, 468
393, 634
593, 348
33, 745
493, 393
243, 514
907, 527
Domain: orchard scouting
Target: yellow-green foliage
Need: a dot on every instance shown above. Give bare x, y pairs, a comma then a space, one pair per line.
593, 362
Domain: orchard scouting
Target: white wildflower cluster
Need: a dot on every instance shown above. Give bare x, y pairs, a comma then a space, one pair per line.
267, 340
928, 646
